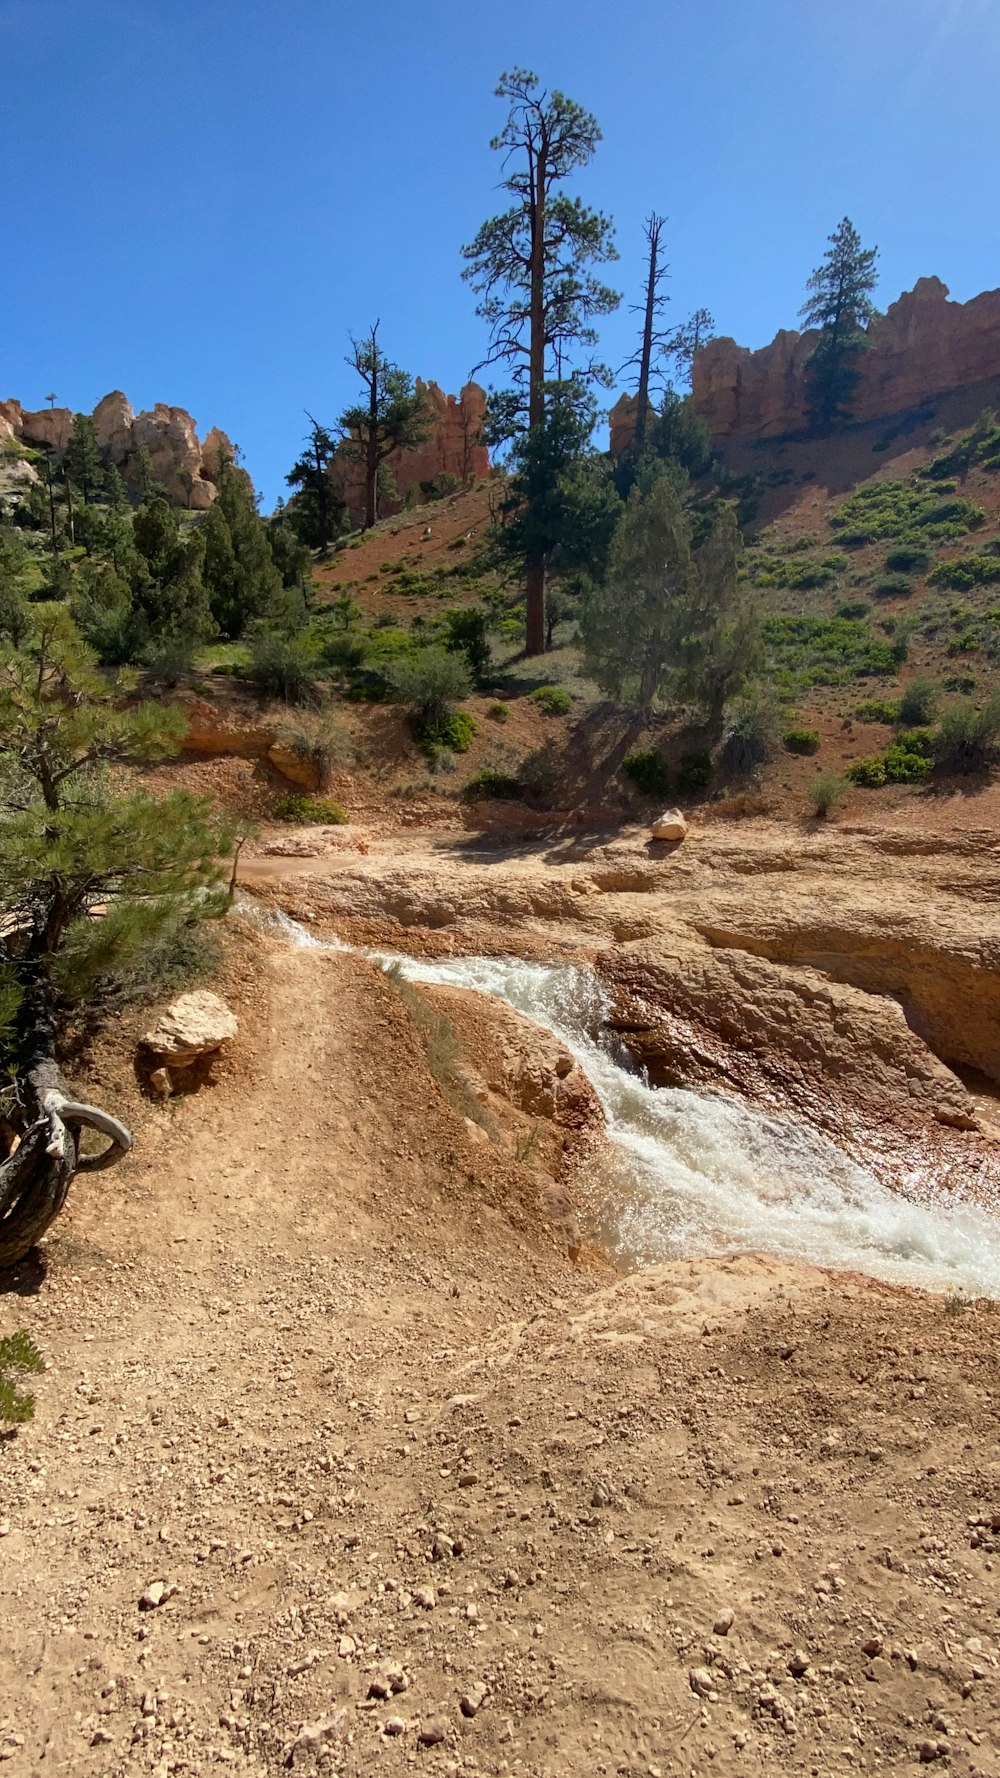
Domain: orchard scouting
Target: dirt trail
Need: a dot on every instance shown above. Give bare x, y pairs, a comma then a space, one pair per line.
315, 1364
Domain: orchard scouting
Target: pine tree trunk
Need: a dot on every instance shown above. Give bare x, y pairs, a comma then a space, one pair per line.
534, 567
646, 358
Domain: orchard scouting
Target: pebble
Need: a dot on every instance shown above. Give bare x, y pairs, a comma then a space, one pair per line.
432, 1733
394, 1725
701, 1682
153, 1596
723, 1623
425, 1597
471, 1702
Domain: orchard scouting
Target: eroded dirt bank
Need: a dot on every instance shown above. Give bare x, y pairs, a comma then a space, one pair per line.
324, 1377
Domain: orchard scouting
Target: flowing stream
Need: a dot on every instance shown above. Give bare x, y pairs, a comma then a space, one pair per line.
688, 1174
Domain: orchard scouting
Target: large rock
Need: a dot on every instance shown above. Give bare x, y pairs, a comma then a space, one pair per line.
923, 346
192, 1026
671, 825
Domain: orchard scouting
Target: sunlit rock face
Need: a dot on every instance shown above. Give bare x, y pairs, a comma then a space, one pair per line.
185, 466
924, 345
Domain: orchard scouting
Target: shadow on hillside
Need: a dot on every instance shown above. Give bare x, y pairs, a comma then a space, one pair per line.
786, 467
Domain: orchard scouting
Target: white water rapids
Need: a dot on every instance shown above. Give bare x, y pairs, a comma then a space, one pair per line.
690, 1174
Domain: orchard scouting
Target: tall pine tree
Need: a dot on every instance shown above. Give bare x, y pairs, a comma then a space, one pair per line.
840, 304
531, 268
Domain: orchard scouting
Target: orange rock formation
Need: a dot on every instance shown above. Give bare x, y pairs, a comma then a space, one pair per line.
924, 345
454, 447
185, 466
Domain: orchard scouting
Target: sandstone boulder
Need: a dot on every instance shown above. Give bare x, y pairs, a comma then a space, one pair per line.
671, 825
192, 1026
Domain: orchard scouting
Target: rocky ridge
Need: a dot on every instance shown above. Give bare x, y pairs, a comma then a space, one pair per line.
923, 346
186, 466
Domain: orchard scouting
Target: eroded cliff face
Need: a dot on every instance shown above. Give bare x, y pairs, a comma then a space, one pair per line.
924, 345
182, 463
454, 447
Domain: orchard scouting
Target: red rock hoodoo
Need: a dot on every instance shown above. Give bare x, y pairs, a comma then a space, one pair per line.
924, 345
454, 447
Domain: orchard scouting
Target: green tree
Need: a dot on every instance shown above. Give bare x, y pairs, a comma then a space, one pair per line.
391, 417
239, 572
720, 646
634, 619
840, 304
665, 617
82, 457
316, 510
561, 505
165, 572
14, 616
530, 266
687, 340
91, 879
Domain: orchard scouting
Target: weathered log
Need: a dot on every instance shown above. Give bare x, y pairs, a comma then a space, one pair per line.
35, 1179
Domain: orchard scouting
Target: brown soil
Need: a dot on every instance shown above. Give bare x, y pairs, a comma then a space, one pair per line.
316, 1365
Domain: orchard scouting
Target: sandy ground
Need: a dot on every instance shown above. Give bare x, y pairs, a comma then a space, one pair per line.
413, 1492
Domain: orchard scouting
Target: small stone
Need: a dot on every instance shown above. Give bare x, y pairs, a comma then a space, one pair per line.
398, 1680
100, 1738
394, 1725
872, 1647
600, 1496
347, 1647
425, 1597
701, 1682
432, 1733
441, 1549
723, 1623
471, 1702
798, 1663
153, 1596
161, 1082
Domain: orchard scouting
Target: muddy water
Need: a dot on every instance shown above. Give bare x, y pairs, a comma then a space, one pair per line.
690, 1174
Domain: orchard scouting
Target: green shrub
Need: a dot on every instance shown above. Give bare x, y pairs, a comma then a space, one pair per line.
554, 700
903, 766
878, 710
19, 1357
169, 660
802, 740
454, 732
908, 558
499, 712
918, 701
854, 608
493, 783
750, 738
430, 680
539, 773
648, 771
694, 772
898, 509
967, 738
893, 586
315, 810
869, 772
283, 667
316, 740
965, 572
825, 793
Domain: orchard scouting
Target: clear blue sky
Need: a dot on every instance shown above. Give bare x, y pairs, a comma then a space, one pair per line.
199, 200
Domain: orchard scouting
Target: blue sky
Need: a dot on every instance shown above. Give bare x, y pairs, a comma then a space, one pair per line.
199, 201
